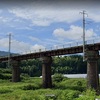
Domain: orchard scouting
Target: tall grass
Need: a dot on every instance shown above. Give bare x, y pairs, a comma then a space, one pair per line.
31, 89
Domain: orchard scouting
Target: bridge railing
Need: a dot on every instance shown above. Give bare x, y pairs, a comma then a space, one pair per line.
67, 45
71, 44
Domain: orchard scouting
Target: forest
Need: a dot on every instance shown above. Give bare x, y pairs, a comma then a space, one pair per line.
64, 65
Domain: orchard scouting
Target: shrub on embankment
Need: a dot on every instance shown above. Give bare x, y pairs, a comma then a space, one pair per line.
5, 73
31, 89
5, 76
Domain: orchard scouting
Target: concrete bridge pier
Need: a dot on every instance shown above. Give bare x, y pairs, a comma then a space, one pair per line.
46, 71
92, 69
15, 71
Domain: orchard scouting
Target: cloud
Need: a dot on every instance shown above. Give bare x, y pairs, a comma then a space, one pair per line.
4, 19
19, 46
0, 11
4, 43
95, 16
33, 38
75, 32
44, 17
37, 48
45, 13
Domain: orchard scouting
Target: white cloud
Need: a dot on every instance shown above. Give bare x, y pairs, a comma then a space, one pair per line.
0, 11
41, 14
4, 43
75, 32
37, 48
19, 46
33, 38
44, 17
4, 19
95, 16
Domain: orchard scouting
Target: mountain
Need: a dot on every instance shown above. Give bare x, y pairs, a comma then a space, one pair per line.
4, 53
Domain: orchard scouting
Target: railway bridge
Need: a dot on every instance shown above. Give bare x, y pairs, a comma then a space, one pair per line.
91, 56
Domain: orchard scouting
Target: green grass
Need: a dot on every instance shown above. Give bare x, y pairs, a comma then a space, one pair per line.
31, 89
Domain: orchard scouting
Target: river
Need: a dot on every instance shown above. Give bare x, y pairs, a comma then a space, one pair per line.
76, 75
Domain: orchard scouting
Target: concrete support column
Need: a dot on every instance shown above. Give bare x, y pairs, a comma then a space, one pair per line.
46, 71
15, 71
92, 69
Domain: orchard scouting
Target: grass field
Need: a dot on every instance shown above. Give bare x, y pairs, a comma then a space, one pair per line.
31, 89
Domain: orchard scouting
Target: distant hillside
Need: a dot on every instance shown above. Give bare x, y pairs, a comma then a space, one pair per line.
3, 53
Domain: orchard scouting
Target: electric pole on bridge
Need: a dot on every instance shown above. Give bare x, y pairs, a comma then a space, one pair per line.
9, 55
84, 42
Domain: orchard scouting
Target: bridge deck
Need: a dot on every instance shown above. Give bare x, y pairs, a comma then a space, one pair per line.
56, 52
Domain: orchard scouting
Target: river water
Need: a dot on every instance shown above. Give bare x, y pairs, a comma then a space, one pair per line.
76, 75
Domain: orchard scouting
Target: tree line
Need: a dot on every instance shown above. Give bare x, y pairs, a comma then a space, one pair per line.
65, 65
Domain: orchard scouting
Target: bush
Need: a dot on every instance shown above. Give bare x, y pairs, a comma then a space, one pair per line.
58, 77
79, 83
30, 87
24, 76
68, 95
5, 76
7, 70
5, 90
33, 97
89, 94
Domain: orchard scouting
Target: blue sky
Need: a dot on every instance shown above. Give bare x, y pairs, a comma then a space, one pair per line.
38, 25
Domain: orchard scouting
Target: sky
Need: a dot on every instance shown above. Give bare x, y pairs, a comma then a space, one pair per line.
39, 24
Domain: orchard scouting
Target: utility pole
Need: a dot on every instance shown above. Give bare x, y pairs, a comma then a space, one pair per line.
9, 55
84, 42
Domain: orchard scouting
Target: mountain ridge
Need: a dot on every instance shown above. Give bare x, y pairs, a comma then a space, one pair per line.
4, 53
